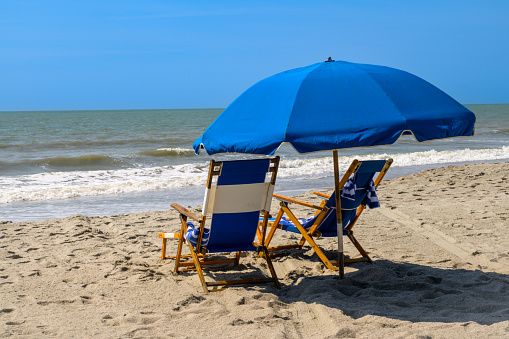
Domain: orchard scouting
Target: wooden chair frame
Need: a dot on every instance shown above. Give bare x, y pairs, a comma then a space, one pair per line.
321, 211
197, 258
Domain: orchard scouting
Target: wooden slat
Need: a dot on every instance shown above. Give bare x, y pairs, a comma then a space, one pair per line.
283, 247
239, 282
208, 262
185, 212
295, 201
183, 220
323, 195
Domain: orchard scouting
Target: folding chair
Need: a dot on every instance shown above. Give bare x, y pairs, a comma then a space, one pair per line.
324, 223
236, 194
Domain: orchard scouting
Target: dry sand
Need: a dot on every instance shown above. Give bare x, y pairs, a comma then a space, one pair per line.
440, 244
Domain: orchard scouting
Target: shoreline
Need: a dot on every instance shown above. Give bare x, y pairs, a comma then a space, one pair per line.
441, 268
160, 199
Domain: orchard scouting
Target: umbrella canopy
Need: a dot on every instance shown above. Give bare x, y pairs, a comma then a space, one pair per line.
335, 105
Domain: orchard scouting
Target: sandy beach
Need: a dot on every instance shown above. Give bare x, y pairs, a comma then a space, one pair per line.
440, 245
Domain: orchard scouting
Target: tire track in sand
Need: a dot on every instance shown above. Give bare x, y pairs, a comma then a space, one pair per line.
442, 240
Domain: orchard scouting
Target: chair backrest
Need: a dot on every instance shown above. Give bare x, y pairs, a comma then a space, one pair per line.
362, 177
236, 200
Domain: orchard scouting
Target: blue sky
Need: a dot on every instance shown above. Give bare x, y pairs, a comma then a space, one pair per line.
72, 55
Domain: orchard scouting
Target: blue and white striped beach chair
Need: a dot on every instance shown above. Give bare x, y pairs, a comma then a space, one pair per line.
237, 194
357, 192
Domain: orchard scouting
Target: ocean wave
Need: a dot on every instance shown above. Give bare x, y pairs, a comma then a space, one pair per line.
501, 130
76, 162
324, 166
67, 184
168, 152
91, 143
64, 185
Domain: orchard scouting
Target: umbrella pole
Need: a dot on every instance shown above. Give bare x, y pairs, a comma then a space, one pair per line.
341, 256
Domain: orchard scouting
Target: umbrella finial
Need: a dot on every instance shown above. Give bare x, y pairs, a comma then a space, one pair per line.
329, 60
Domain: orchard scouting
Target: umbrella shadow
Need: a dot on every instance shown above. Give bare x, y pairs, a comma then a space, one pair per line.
408, 292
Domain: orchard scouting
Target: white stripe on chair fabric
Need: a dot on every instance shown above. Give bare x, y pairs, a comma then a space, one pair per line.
238, 198
268, 197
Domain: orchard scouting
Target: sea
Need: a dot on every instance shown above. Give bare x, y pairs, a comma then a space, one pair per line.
55, 164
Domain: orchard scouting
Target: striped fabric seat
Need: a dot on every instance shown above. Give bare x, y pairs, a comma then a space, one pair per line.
237, 193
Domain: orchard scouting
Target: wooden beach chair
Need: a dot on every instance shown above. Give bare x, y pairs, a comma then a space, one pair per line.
324, 223
237, 193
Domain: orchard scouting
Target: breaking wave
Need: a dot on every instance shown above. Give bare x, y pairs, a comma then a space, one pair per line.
74, 184
168, 152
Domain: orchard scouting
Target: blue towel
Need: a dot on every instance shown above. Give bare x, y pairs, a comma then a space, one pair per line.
372, 199
305, 222
348, 191
193, 233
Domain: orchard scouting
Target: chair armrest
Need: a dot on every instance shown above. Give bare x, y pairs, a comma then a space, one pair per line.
323, 195
169, 235
295, 201
185, 212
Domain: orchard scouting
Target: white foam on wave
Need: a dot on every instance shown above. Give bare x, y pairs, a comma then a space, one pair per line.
324, 166
64, 185
178, 150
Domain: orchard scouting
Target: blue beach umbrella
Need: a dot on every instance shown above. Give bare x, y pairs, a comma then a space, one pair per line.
334, 105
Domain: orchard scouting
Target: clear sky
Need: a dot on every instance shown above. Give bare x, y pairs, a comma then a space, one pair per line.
98, 54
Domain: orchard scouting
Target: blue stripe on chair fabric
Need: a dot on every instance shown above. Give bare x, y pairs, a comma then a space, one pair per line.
235, 230
328, 228
362, 177
243, 172
371, 166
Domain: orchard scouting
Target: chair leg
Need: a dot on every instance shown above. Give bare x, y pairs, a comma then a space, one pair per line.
271, 267
259, 234
198, 268
163, 251
359, 248
179, 248
273, 229
310, 240
237, 258
271, 232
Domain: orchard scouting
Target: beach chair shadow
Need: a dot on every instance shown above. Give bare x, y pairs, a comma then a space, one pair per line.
237, 193
408, 292
323, 223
